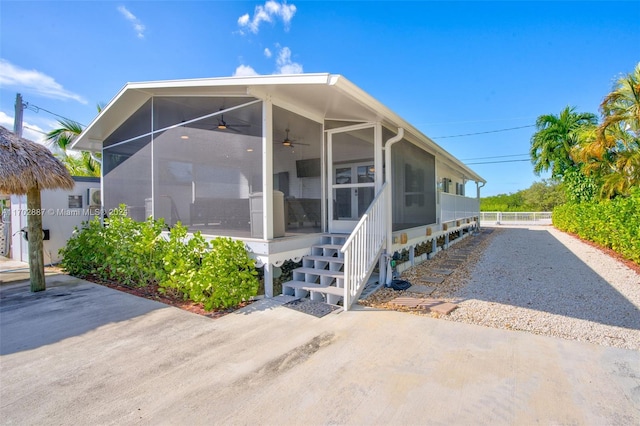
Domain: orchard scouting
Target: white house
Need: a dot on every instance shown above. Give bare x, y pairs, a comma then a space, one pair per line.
347, 179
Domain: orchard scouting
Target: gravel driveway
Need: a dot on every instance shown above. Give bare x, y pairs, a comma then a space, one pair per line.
544, 281
535, 279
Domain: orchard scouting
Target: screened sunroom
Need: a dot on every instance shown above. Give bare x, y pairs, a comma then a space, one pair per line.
200, 161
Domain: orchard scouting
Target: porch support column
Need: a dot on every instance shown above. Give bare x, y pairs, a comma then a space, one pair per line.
434, 248
268, 279
267, 172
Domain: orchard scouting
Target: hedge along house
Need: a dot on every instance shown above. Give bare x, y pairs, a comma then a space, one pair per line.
347, 180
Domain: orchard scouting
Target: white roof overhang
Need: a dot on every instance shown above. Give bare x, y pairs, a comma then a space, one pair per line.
325, 96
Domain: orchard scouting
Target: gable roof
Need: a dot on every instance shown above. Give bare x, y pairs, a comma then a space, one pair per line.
323, 96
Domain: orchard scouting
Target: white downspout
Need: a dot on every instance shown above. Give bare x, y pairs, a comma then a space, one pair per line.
478, 186
388, 212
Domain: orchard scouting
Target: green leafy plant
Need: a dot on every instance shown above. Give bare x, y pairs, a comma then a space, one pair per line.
219, 274
609, 223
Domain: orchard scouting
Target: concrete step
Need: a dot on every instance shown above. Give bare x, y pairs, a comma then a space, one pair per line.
320, 272
330, 259
328, 246
318, 288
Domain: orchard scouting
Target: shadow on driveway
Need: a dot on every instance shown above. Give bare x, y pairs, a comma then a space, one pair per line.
531, 268
65, 309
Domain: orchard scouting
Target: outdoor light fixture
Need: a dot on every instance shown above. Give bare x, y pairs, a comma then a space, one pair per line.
286, 141
184, 137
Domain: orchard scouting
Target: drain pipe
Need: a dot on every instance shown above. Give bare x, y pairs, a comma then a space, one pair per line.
387, 179
478, 187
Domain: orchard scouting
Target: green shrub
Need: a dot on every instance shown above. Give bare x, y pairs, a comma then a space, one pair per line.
220, 274
614, 224
123, 250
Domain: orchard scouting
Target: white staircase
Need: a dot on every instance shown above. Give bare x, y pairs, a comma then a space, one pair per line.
321, 276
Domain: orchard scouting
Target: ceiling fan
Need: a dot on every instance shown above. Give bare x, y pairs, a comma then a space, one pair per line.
288, 142
223, 125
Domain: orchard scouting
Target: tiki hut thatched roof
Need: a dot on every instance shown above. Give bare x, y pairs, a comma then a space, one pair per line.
25, 164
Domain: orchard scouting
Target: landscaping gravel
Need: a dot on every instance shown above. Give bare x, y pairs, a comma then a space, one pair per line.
539, 280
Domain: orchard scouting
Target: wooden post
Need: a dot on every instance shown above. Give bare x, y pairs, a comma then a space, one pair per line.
36, 251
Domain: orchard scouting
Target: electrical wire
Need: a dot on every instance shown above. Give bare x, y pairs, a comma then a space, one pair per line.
37, 109
495, 156
34, 130
483, 133
495, 162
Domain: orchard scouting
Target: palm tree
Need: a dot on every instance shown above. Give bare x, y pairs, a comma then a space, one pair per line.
79, 164
617, 139
554, 139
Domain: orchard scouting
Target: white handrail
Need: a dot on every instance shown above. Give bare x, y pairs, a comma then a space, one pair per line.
454, 207
362, 248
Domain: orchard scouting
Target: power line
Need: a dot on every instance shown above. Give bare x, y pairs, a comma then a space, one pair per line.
37, 109
474, 121
35, 130
495, 156
495, 162
483, 133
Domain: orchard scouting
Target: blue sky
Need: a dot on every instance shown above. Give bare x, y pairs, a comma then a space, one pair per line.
449, 68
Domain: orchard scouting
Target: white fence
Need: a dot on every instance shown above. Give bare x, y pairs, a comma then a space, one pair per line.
515, 218
453, 207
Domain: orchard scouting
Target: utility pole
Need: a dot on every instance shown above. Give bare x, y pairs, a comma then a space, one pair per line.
17, 121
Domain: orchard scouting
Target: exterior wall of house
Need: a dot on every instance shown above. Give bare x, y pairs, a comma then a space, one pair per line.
63, 211
455, 182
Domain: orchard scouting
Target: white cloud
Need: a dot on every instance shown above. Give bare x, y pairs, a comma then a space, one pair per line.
33, 81
285, 64
29, 131
243, 20
245, 71
267, 13
138, 26
267, 52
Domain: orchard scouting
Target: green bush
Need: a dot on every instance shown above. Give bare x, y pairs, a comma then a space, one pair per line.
217, 274
614, 224
123, 250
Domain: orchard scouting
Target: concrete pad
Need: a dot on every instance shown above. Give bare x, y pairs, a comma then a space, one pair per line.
444, 308
405, 302
421, 289
13, 271
432, 280
84, 354
428, 304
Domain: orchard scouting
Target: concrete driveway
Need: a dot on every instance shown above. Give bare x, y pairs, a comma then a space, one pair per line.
81, 353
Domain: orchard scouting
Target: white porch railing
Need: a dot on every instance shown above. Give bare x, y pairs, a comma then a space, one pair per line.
362, 248
453, 207
515, 218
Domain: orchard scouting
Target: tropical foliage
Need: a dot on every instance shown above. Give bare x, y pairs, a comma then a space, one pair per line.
610, 223
599, 167
540, 196
554, 139
80, 163
217, 274
611, 152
